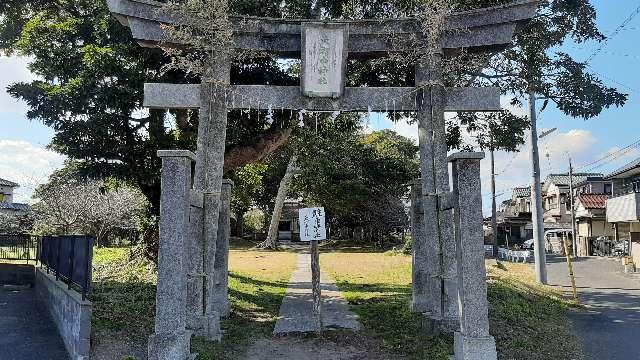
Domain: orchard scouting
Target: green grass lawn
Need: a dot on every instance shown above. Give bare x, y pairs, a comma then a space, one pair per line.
527, 320
124, 290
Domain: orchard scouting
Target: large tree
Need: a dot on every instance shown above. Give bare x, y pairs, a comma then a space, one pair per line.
91, 75
90, 88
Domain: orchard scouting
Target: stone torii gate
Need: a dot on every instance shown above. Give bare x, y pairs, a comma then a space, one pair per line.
324, 47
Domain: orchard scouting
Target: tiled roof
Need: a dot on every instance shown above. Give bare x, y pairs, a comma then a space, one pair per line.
630, 166
14, 206
522, 192
564, 179
4, 182
593, 201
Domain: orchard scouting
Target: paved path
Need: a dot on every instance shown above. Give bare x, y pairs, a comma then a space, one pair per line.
296, 309
26, 333
610, 328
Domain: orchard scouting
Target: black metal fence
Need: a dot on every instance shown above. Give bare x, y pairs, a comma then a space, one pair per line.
18, 247
70, 258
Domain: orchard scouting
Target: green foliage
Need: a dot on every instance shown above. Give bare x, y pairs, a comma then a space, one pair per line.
248, 184
359, 179
254, 221
91, 74
123, 290
90, 90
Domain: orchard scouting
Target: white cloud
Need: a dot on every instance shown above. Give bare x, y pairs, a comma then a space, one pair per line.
13, 69
27, 165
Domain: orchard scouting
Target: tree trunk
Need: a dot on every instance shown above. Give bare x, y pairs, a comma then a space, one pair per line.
239, 228
272, 235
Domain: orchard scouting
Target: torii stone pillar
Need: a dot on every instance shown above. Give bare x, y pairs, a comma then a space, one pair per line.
473, 341
219, 294
171, 339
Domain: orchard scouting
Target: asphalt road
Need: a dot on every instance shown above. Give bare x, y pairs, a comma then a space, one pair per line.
25, 332
610, 326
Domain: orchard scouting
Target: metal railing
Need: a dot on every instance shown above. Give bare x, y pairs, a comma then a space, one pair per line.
69, 257
18, 247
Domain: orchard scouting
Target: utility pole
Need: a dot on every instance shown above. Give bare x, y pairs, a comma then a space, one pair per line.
536, 197
573, 211
494, 220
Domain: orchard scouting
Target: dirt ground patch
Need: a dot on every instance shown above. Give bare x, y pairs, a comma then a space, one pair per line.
336, 347
117, 346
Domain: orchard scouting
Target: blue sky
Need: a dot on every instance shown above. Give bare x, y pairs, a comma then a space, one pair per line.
23, 157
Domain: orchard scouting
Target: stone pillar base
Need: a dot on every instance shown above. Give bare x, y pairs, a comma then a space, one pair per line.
449, 325
225, 308
170, 346
207, 326
437, 326
468, 348
419, 306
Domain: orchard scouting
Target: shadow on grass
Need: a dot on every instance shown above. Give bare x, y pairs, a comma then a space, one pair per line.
123, 306
385, 313
378, 289
256, 305
528, 324
129, 307
402, 331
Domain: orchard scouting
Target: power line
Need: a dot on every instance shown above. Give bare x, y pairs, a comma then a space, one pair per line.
623, 150
633, 14
618, 156
612, 80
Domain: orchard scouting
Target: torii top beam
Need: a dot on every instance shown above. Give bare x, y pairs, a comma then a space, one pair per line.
488, 29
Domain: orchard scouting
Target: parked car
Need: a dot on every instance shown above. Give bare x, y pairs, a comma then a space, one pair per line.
528, 244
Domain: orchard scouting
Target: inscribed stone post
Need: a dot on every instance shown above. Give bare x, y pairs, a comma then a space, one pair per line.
473, 341
213, 115
427, 276
221, 286
445, 217
171, 340
195, 276
419, 249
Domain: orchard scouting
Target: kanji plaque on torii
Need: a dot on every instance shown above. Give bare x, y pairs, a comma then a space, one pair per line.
324, 47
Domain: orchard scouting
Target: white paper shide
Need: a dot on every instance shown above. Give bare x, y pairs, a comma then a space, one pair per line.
312, 224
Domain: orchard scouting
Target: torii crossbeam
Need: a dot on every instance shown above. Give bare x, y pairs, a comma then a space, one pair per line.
324, 47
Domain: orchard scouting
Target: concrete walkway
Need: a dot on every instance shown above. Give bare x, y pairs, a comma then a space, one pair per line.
25, 332
297, 307
610, 328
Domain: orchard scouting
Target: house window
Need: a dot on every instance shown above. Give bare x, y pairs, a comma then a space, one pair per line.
607, 189
636, 186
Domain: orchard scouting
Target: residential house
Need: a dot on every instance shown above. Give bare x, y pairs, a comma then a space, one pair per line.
6, 190
623, 208
10, 211
591, 220
514, 216
557, 199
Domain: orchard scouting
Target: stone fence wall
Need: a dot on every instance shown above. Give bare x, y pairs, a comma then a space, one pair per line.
69, 312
